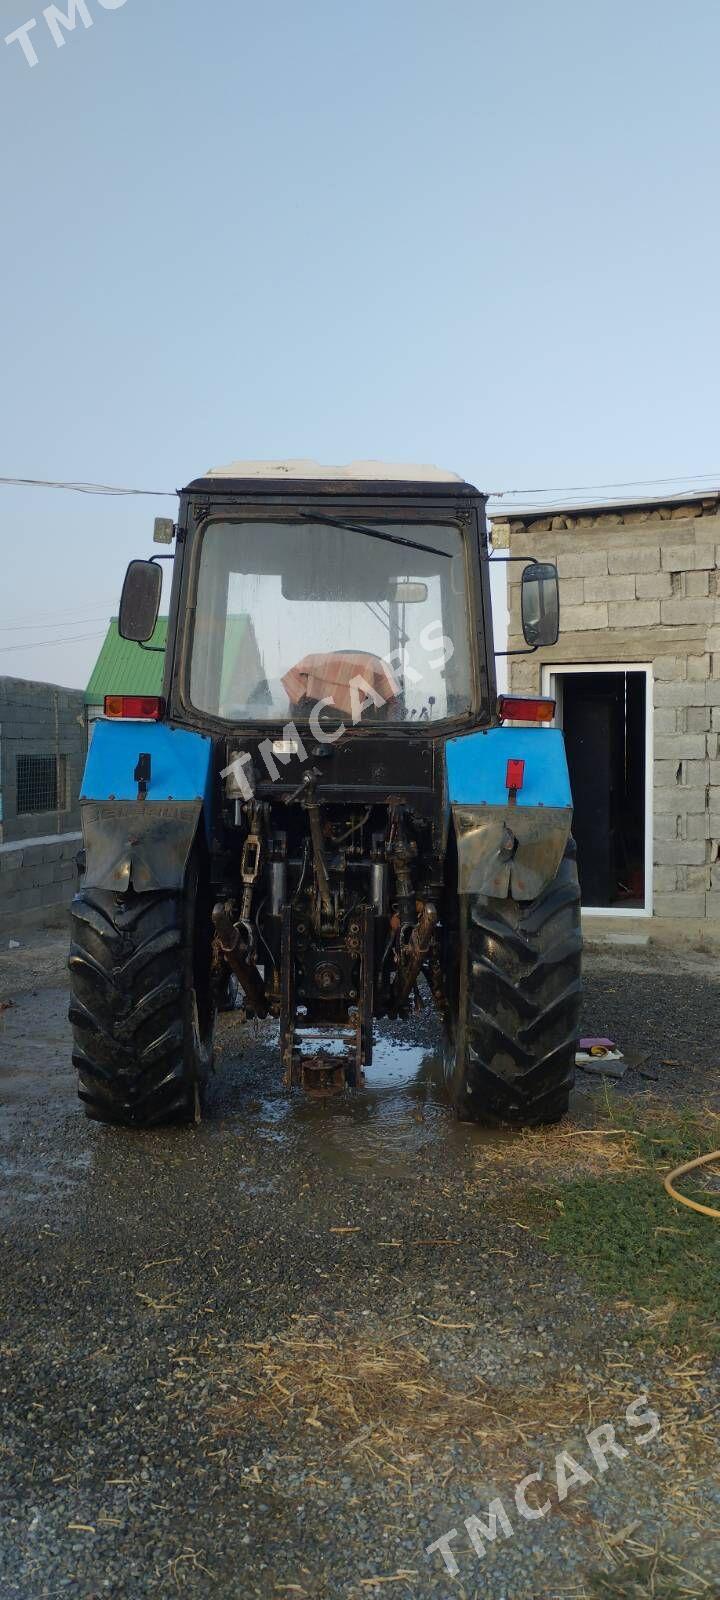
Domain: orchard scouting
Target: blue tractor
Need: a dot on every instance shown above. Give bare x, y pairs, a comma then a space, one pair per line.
329, 816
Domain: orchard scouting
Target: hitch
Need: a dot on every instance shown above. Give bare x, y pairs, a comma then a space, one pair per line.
414, 954
236, 953
305, 793
143, 774
319, 1053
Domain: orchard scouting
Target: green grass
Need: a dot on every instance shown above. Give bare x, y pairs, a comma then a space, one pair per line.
631, 1241
668, 1139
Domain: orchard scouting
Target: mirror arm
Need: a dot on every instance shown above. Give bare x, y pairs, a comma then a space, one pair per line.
155, 649
528, 560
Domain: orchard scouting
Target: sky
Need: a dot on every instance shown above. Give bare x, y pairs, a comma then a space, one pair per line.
480, 235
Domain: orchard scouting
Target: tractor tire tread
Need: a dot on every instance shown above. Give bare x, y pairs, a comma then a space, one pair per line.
128, 978
523, 999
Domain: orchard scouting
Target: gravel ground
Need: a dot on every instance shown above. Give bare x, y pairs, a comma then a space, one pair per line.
149, 1447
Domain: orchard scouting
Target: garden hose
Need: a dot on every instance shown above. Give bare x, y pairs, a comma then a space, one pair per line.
689, 1166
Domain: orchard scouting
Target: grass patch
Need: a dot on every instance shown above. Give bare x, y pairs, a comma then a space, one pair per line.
666, 1139
629, 1240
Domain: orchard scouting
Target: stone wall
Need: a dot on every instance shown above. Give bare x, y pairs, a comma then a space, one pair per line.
643, 585
37, 881
38, 848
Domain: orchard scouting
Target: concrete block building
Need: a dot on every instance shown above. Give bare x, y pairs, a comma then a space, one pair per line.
636, 678
43, 743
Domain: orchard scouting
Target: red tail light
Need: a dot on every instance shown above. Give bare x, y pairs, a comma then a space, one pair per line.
144, 707
513, 708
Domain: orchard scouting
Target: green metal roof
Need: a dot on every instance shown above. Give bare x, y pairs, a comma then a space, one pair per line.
125, 668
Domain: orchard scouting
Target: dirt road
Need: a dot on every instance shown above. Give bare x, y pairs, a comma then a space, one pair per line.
285, 1352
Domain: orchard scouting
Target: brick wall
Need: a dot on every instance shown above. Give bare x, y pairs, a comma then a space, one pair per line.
643, 585
37, 848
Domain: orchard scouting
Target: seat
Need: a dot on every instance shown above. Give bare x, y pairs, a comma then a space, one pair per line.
343, 676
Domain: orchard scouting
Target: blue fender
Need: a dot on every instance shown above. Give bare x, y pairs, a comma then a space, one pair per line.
477, 767
138, 841
509, 843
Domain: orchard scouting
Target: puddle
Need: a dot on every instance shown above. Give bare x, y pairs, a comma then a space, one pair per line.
27, 1179
401, 1117
397, 1125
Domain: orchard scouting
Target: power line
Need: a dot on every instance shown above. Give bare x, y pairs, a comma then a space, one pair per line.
588, 488
32, 627
40, 644
540, 507
51, 618
495, 494
85, 488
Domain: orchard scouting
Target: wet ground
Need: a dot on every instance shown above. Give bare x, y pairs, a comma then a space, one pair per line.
151, 1444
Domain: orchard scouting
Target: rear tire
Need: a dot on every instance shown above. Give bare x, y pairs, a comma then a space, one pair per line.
141, 1005
513, 1036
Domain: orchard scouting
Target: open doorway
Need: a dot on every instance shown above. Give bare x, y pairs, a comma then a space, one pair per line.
606, 717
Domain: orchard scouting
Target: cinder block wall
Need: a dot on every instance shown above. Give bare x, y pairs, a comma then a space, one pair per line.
643, 585
38, 849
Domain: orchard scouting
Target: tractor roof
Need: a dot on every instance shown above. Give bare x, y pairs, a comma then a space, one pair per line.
353, 471
356, 476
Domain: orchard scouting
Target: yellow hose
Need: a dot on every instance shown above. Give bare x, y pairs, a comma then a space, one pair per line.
689, 1166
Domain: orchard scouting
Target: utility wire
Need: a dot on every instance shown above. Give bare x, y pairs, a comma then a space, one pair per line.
40, 644
119, 491
51, 618
85, 488
588, 488
32, 627
495, 494
540, 507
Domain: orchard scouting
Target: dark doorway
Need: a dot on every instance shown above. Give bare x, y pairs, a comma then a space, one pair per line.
603, 716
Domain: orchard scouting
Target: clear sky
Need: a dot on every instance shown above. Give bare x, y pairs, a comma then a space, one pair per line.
483, 235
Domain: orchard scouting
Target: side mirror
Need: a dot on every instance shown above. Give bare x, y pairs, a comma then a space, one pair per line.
140, 601
540, 604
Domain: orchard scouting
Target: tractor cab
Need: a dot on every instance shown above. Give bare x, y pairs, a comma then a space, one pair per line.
354, 596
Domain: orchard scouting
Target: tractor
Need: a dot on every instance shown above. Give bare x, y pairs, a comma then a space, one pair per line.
329, 816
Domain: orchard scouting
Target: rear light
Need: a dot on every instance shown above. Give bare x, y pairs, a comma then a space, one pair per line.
144, 707
511, 708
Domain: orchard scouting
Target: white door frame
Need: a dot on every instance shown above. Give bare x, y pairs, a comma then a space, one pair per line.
552, 685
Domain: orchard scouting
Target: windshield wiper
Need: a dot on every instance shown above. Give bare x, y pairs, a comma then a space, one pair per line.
372, 533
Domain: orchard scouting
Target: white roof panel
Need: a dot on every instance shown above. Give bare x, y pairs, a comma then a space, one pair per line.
379, 471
